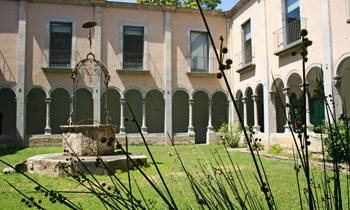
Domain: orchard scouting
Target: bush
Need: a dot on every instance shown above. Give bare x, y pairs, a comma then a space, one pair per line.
338, 139
231, 134
257, 145
275, 149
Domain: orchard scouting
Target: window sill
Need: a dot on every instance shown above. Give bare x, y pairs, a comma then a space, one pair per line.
246, 68
56, 69
132, 71
201, 74
289, 48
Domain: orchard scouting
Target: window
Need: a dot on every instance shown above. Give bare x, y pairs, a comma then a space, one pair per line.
60, 44
247, 43
292, 20
199, 52
133, 48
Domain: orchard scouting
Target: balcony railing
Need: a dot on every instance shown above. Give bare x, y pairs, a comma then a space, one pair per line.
244, 58
133, 61
199, 64
289, 36
58, 58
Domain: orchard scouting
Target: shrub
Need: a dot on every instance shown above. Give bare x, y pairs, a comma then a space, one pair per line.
257, 145
275, 149
337, 139
231, 134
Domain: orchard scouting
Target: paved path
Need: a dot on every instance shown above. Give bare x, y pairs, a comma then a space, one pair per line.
329, 166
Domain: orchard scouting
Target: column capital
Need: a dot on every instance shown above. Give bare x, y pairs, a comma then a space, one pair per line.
144, 101
210, 102
337, 81
191, 101
122, 100
245, 99
26, 100
307, 86
255, 98
48, 100
272, 94
286, 91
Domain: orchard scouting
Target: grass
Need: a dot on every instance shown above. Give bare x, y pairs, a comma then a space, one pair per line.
281, 176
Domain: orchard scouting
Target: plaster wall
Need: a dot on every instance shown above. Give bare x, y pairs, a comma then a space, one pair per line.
110, 46
37, 12
340, 30
179, 24
251, 11
9, 42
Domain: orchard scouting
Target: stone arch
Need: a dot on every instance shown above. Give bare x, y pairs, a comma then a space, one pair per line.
240, 105
316, 109
155, 111
200, 115
278, 78
59, 108
259, 92
35, 87
180, 110
155, 88
216, 91
9, 87
249, 107
280, 104
62, 87
84, 105
201, 89
36, 110
340, 62
342, 82
133, 96
7, 110
219, 108
112, 88
182, 89
113, 104
133, 88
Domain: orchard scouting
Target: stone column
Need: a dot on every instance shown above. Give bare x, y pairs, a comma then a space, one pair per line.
122, 127
307, 120
190, 123
236, 117
21, 141
210, 128
245, 101
97, 74
168, 131
256, 126
272, 116
70, 120
286, 92
48, 128
144, 127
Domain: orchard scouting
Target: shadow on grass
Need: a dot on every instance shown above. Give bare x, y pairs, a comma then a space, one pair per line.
6, 151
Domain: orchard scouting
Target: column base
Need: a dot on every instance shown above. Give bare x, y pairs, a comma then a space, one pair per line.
47, 131
144, 130
191, 132
256, 128
286, 129
122, 130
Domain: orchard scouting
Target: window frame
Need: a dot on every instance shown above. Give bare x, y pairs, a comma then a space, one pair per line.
243, 60
123, 24
48, 21
190, 29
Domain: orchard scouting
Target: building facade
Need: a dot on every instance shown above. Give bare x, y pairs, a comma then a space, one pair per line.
162, 64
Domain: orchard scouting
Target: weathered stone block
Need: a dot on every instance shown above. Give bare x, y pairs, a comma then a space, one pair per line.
88, 140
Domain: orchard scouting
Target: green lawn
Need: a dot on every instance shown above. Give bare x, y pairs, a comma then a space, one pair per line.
281, 177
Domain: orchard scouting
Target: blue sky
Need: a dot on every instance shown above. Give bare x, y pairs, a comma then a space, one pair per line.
225, 5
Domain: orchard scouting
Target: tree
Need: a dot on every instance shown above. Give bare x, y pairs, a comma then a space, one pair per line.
206, 4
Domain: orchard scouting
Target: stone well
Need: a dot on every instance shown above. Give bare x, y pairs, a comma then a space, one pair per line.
88, 140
